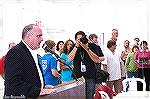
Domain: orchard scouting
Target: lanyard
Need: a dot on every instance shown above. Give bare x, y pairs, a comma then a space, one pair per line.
82, 55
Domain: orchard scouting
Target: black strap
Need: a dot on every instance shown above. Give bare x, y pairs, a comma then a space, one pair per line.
82, 56
39, 59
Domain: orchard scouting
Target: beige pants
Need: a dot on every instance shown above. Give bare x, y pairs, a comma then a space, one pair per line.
117, 84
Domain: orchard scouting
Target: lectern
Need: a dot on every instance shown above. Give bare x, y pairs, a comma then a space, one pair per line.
71, 90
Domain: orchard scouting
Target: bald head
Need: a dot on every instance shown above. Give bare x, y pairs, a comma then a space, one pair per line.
114, 34
32, 36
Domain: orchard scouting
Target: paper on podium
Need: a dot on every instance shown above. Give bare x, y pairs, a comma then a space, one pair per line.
69, 85
70, 90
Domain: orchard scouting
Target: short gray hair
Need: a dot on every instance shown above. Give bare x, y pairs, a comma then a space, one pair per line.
27, 29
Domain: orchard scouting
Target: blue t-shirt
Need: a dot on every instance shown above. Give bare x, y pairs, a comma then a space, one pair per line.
66, 75
48, 62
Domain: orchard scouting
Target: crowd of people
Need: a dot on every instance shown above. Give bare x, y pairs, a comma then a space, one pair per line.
26, 75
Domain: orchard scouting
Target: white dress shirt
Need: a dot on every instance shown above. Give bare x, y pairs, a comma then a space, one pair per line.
112, 60
34, 55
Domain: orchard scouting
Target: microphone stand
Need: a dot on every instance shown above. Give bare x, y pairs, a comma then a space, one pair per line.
59, 59
45, 47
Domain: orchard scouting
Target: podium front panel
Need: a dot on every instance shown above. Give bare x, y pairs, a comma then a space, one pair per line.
71, 90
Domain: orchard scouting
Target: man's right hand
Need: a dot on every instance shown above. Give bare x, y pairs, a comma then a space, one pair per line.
46, 91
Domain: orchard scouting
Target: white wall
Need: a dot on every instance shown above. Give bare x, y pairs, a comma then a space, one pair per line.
61, 19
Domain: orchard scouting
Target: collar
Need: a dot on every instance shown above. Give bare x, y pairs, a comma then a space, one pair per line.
110, 51
141, 50
32, 51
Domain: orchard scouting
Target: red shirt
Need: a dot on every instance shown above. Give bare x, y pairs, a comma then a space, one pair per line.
2, 66
142, 58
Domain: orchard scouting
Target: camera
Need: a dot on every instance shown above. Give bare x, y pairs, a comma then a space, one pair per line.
144, 60
84, 40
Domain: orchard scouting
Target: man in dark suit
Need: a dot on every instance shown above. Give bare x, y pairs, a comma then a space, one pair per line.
23, 77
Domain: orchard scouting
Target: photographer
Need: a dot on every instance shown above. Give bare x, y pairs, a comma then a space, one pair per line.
84, 56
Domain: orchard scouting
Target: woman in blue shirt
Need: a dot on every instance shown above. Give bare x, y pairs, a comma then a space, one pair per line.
66, 74
49, 65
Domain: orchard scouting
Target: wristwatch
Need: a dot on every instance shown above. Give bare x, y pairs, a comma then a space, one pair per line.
76, 46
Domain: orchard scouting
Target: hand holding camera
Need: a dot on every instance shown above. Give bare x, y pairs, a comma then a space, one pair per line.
77, 42
144, 60
84, 40
84, 43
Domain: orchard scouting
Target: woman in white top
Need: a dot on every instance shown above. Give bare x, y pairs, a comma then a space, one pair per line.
59, 49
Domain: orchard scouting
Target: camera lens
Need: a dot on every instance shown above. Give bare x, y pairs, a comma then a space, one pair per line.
84, 40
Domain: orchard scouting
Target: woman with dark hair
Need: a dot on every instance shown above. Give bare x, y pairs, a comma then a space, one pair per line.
59, 47
66, 73
142, 59
130, 65
136, 41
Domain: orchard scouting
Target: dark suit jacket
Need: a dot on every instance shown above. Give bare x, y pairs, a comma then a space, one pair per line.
21, 74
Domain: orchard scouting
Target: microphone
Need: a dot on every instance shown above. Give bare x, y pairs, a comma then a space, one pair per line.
45, 47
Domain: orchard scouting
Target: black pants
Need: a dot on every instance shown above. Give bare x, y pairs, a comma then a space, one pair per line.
144, 73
